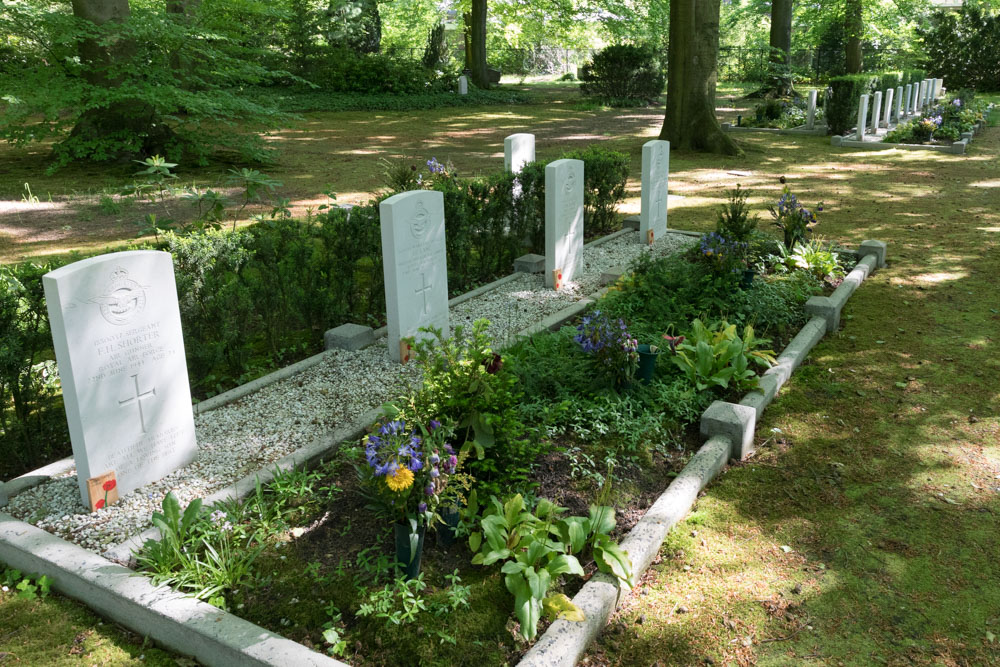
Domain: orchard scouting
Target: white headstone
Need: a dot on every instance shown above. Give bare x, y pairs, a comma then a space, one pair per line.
116, 331
574, 70
655, 181
518, 149
811, 111
463, 85
908, 106
826, 101
862, 117
916, 98
889, 94
924, 92
563, 221
897, 115
876, 111
940, 87
415, 266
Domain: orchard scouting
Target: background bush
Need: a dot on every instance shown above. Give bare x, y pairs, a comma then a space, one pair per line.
961, 48
623, 74
842, 108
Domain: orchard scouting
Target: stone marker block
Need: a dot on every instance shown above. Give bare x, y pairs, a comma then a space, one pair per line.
887, 114
862, 117
967, 135
736, 422
631, 222
463, 85
897, 114
530, 263
811, 111
824, 307
876, 111
836, 140
348, 337
3, 495
611, 276
518, 150
877, 248
958, 148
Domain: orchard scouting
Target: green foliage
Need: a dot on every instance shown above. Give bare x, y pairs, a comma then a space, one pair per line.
735, 221
955, 44
149, 96
301, 100
537, 548
713, 357
605, 174
465, 382
346, 71
623, 75
814, 257
793, 219
32, 421
28, 586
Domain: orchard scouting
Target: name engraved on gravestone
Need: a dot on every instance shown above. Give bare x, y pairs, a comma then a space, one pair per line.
415, 266
563, 220
654, 194
116, 330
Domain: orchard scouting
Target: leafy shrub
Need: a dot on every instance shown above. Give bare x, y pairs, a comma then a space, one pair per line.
605, 174
298, 101
32, 421
712, 357
722, 255
343, 70
610, 346
817, 259
842, 108
735, 221
623, 74
775, 303
792, 218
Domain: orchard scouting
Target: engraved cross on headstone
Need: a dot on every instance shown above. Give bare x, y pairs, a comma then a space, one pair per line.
138, 399
422, 291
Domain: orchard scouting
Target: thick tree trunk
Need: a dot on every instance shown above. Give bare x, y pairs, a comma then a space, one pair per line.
854, 19
690, 121
129, 122
477, 44
781, 44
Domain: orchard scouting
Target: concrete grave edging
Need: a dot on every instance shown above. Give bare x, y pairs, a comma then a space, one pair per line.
565, 642
180, 623
956, 148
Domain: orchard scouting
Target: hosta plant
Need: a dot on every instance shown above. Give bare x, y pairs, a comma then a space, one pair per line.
717, 356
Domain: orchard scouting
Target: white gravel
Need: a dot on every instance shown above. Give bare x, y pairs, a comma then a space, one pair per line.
243, 437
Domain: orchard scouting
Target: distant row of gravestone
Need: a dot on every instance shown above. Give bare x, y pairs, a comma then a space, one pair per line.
116, 324
917, 98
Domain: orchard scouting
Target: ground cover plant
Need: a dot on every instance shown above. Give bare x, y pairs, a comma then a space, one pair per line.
944, 123
783, 113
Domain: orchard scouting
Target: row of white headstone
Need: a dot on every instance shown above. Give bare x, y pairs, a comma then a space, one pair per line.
116, 325
917, 98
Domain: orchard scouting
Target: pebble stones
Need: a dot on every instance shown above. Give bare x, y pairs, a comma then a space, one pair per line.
243, 437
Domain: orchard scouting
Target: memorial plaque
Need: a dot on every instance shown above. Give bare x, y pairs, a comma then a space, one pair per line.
116, 331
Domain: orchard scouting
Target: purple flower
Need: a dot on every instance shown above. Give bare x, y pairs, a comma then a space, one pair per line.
429, 490
422, 507
434, 458
435, 425
435, 473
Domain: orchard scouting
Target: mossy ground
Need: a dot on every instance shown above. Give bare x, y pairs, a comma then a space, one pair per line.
866, 530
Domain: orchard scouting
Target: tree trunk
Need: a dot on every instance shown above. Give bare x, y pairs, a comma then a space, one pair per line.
690, 121
781, 45
477, 45
184, 12
854, 26
132, 126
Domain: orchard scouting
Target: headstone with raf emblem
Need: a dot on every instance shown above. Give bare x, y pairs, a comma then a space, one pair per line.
415, 267
116, 331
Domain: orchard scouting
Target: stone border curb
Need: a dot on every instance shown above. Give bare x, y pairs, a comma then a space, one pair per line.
956, 148
565, 642
180, 623
800, 130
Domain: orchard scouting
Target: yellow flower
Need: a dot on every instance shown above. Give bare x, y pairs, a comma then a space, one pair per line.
401, 480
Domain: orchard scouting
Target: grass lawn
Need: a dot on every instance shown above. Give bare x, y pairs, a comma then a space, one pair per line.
865, 530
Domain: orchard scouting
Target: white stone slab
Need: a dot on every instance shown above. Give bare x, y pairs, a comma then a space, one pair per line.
463, 85
811, 110
898, 114
655, 182
563, 220
518, 150
862, 117
116, 331
889, 94
876, 111
415, 265
908, 107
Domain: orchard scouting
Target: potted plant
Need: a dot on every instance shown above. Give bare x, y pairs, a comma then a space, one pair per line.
407, 470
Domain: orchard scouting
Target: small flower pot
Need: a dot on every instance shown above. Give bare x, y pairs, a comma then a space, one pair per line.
447, 532
647, 362
746, 281
408, 551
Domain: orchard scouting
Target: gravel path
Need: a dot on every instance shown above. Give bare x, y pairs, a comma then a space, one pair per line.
243, 437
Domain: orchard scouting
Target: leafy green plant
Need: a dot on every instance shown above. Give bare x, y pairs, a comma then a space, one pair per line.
400, 175
28, 586
536, 548
814, 257
735, 222
716, 356
623, 75
255, 185
792, 218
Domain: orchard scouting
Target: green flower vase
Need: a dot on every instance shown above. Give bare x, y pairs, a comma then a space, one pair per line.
647, 362
409, 547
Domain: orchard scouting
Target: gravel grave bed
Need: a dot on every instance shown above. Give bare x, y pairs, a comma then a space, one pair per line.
244, 437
